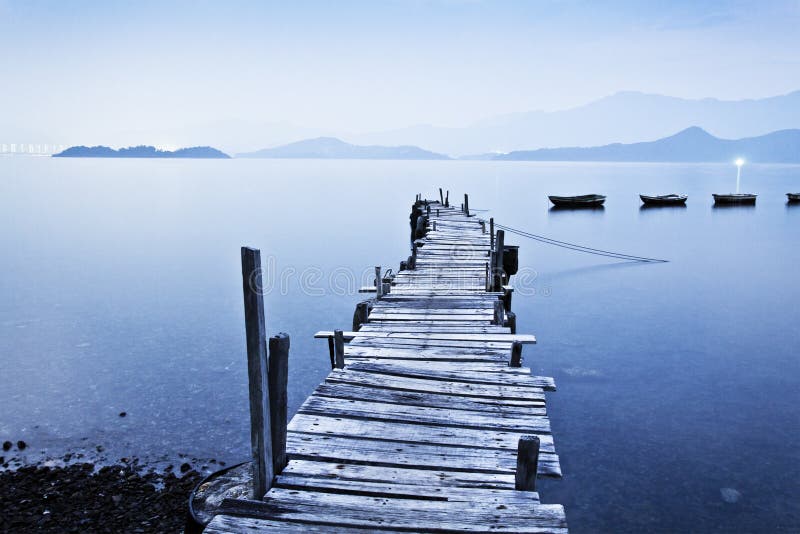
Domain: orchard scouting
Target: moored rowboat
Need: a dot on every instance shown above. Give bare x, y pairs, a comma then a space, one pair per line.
580, 201
735, 198
664, 200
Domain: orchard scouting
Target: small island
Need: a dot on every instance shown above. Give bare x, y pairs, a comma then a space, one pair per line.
143, 151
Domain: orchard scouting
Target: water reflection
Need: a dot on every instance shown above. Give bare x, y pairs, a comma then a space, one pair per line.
646, 207
590, 209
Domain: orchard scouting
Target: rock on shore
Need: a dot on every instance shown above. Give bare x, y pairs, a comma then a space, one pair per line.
76, 498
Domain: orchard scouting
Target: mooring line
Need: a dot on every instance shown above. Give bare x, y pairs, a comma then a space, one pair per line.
579, 248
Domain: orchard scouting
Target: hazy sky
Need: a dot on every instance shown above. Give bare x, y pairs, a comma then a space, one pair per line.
93, 67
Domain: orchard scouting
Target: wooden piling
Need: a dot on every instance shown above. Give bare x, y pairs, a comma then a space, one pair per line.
447, 200
466, 204
378, 282
260, 434
508, 292
278, 378
511, 321
498, 312
332, 352
498, 260
516, 354
441, 199
527, 463
361, 315
338, 344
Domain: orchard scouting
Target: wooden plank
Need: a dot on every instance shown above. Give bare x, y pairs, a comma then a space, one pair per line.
405, 514
405, 491
486, 338
479, 377
400, 432
341, 391
393, 475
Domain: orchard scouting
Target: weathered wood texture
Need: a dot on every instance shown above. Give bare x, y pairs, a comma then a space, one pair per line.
428, 421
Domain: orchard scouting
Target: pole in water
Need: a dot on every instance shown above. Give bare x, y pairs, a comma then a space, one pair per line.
466, 204
441, 197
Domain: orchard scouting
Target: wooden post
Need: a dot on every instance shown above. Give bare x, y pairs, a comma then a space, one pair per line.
527, 463
332, 352
434, 224
483, 227
516, 355
437, 212
260, 434
441, 198
278, 378
508, 292
378, 282
486, 265
511, 321
462, 207
466, 204
498, 260
361, 315
413, 257
447, 200
498, 313
491, 233
338, 343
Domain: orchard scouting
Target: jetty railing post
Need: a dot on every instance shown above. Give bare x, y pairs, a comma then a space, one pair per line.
378, 282
511, 321
498, 260
498, 312
527, 463
338, 343
466, 204
332, 352
447, 199
257, 369
516, 354
278, 379
360, 317
441, 198
491, 233
434, 224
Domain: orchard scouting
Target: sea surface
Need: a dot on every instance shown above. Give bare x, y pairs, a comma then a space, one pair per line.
678, 402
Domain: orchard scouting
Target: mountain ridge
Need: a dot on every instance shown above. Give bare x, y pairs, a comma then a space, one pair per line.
690, 145
335, 148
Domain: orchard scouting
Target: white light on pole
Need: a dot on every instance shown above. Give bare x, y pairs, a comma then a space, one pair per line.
739, 162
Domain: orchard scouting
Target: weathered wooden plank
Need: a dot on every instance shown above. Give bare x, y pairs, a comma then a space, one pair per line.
405, 514
405, 491
485, 419
508, 393
474, 377
433, 400
405, 475
402, 432
486, 338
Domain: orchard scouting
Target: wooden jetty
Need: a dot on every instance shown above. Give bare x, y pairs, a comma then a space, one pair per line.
428, 422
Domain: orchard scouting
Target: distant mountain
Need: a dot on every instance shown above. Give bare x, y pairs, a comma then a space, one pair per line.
332, 148
690, 145
201, 152
624, 117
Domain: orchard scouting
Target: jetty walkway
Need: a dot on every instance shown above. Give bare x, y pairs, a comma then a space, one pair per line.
428, 422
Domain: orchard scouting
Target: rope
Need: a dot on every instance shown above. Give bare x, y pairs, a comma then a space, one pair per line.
579, 248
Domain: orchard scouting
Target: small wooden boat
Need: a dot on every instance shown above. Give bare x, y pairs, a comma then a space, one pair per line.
793, 197
735, 198
664, 200
580, 201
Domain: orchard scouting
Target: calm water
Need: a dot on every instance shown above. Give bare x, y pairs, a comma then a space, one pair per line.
679, 383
